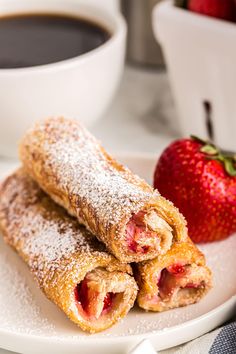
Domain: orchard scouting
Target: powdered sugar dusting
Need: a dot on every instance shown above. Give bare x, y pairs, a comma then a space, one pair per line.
93, 180
51, 243
82, 169
41, 230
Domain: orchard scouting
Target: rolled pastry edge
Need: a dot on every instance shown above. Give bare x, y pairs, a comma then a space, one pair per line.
178, 278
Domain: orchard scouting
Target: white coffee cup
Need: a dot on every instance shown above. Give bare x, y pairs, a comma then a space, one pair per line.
80, 88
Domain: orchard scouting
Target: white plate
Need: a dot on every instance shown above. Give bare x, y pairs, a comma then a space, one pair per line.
29, 323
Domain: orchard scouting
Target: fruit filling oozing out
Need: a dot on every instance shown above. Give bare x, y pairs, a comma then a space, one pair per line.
93, 298
146, 231
177, 277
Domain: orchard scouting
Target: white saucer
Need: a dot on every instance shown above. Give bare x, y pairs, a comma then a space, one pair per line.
29, 323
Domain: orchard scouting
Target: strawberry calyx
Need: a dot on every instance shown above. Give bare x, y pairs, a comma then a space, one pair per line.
212, 152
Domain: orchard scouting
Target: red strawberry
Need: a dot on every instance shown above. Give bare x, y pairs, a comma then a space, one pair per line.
223, 9
201, 181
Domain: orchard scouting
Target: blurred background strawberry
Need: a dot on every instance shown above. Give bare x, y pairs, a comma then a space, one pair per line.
222, 9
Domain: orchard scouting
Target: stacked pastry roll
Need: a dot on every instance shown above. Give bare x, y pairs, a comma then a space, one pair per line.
72, 268
81, 260
178, 278
119, 208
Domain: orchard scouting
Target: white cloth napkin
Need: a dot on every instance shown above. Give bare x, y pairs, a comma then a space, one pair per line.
219, 341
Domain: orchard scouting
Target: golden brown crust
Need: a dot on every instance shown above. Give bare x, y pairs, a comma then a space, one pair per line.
58, 251
72, 167
148, 274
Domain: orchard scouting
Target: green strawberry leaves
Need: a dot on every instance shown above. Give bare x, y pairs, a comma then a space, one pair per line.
209, 149
214, 153
199, 140
230, 167
228, 162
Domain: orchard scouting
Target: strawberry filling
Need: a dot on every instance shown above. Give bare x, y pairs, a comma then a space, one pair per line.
147, 232
177, 269
137, 234
192, 286
173, 278
108, 301
81, 295
87, 300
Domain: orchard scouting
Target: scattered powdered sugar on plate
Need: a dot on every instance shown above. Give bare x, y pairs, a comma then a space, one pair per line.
22, 312
220, 257
24, 309
19, 310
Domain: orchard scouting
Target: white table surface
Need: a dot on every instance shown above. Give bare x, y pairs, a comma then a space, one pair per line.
141, 118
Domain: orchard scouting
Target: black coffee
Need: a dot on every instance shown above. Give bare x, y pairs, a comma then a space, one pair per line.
37, 39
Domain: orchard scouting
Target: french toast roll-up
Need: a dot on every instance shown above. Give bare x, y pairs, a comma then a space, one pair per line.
70, 265
178, 278
121, 209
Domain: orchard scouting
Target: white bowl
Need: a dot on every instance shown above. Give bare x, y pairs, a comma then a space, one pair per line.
81, 87
200, 54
